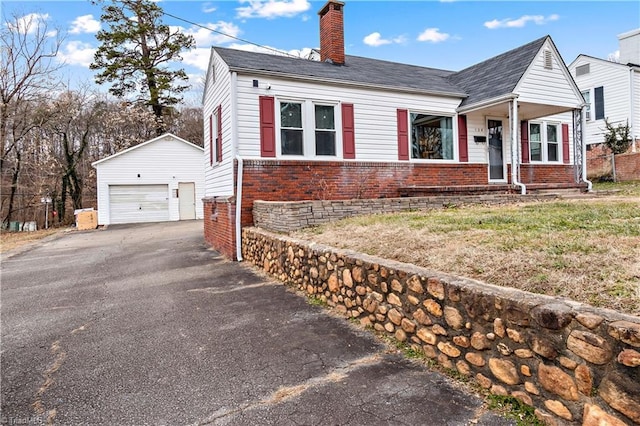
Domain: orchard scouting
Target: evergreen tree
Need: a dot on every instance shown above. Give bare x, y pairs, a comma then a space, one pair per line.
135, 52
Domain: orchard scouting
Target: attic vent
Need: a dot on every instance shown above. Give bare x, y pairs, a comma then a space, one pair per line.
548, 60
582, 70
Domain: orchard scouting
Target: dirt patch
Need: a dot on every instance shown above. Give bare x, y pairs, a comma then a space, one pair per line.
10, 241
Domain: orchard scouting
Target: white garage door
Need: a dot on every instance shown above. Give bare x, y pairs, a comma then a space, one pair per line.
138, 203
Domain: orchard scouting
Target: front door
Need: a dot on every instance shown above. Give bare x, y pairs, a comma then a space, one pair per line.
496, 157
187, 200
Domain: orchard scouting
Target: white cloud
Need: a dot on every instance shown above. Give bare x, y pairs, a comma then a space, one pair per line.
208, 8
433, 35
77, 53
521, 21
84, 24
28, 24
206, 38
375, 40
614, 56
198, 57
272, 8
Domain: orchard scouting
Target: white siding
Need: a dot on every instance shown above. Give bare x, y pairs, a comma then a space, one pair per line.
375, 113
548, 86
165, 161
614, 78
219, 176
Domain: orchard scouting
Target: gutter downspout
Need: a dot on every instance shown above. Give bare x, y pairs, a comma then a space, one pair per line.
634, 125
515, 164
234, 144
583, 124
239, 210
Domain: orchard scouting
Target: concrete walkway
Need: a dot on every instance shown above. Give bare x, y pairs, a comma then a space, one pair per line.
143, 324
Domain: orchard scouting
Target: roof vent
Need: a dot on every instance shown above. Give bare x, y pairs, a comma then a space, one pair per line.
582, 70
548, 60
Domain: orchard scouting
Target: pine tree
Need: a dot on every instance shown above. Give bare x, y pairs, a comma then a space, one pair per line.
135, 54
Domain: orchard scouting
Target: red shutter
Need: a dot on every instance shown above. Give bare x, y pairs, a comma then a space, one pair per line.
211, 140
267, 127
524, 137
565, 143
219, 135
463, 149
403, 134
348, 134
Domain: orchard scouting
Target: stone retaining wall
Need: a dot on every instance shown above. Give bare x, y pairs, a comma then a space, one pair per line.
285, 216
574, 363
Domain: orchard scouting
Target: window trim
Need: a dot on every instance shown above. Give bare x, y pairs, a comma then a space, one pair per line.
544, 142
454, 137
309, 129
598, 106
280, 128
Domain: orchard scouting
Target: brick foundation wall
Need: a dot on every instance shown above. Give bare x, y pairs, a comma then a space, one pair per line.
307, 180
542, 173
574, 363
279, 180
219, 225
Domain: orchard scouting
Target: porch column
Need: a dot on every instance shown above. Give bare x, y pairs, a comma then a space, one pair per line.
515, 159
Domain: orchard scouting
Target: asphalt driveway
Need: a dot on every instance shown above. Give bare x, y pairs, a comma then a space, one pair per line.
144, 325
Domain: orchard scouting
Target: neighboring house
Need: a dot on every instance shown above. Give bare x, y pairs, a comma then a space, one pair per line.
159, 180
283, 129
611, 89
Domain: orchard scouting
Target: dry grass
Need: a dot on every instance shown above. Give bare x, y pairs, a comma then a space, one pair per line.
14, 240
585, 249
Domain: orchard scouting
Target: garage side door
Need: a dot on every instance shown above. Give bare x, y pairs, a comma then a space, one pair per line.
138, 203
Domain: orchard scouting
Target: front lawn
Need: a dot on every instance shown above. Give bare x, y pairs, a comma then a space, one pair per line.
585, 249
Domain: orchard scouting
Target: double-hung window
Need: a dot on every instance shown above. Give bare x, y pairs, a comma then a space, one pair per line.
544, 142
431, 137
325, 130
308, 129
291, 130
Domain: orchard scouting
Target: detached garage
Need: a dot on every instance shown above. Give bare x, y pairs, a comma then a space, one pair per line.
159, 180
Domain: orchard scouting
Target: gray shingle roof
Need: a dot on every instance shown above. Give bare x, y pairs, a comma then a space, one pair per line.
487, 80
496, 76
356, 70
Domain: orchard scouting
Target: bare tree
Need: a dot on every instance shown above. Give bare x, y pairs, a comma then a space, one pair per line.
27, 71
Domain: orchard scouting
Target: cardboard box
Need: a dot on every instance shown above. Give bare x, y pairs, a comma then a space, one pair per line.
86, 219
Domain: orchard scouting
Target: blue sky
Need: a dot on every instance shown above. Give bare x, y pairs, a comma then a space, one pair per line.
448, 34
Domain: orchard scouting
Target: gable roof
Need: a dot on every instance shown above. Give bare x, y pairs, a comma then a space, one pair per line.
496, 76
175, 138
603, 61
356, 71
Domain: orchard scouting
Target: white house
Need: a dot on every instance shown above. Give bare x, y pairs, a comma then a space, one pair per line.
279, 128
159, 180
611, 89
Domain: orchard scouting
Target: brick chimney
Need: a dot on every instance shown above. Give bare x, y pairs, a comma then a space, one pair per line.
332, 32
